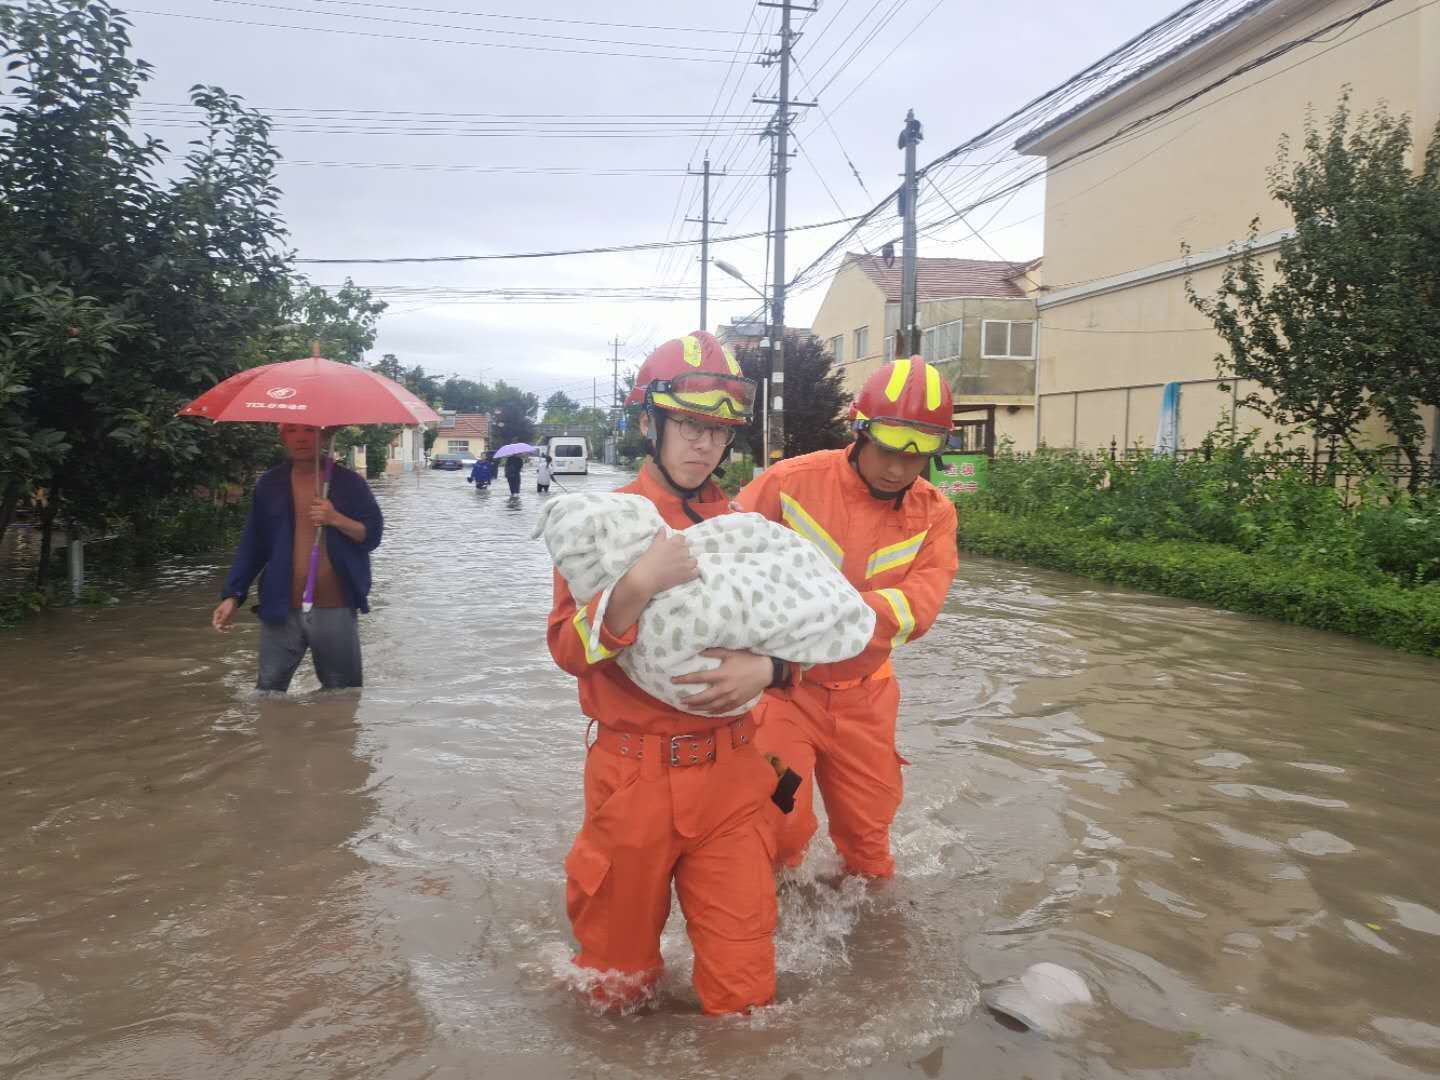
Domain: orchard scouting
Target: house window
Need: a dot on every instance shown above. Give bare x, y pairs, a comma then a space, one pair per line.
837, 348
862, 342
1008, 340
457, 446
941, 342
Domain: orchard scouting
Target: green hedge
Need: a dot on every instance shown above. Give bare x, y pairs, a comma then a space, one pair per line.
1349, 603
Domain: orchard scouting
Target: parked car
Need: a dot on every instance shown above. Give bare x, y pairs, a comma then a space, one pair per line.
449, 462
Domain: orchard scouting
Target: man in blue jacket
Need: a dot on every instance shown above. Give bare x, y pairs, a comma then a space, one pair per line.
271, 542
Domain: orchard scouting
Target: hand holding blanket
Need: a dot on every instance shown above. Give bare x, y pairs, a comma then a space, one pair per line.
761, 588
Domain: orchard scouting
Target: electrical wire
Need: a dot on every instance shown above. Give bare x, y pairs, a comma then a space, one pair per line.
428, 24
511, 170
428, 40
525, 18
1144, 125
614, 249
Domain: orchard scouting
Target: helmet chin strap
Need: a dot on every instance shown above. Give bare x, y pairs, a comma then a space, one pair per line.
657, 421
875, 493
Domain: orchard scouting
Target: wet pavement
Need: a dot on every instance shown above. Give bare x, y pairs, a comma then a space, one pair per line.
1227, 826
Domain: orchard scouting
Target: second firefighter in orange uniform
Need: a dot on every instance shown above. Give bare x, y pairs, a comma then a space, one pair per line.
892, 534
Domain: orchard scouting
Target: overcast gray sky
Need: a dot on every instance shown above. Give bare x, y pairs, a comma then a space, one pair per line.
961, 64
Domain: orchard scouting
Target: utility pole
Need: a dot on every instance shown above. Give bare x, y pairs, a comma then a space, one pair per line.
780, 131
705, 221
907, 340
615, 389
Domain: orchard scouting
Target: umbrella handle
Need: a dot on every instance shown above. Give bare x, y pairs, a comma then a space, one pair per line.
307, 600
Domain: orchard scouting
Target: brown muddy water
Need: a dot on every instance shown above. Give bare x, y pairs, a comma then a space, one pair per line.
1227, 826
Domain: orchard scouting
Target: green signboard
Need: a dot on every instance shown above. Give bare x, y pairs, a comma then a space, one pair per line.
960, 474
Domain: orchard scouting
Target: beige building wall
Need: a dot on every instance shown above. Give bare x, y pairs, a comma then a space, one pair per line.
1198, 175
1114, 312
853, 301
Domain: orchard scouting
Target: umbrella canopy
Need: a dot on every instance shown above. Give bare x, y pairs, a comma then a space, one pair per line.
311, 391
511, 449
317, 393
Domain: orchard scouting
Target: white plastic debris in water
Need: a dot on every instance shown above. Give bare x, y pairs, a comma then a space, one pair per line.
1039, 998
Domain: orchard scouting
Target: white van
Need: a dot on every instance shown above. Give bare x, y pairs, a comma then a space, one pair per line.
569, 454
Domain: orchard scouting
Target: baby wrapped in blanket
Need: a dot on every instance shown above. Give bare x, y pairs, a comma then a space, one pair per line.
761, 588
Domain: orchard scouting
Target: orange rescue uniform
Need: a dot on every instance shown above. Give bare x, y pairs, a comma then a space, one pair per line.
836, 725
648, 821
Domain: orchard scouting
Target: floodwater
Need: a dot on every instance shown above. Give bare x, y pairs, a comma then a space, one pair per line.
1227, 826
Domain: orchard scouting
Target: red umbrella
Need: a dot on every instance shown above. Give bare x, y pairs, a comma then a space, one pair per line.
313, 391
318, 393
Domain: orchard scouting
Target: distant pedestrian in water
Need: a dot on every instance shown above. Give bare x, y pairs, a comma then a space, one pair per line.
481, 473
279, 532
513, 464
542, 475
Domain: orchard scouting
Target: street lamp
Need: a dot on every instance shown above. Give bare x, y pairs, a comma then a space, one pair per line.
774, 343
725, 267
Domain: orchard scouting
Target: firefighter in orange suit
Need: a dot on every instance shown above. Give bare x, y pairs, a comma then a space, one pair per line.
892, 534
670, 795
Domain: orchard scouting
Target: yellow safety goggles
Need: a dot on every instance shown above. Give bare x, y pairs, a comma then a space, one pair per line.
727, 398
904, 437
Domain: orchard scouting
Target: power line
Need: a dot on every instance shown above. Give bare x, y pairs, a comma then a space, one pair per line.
513, 170
456, 26
1130, 131
527, 18
884, 21
428, 40
616, 249
447, 133
322, 112
884, 59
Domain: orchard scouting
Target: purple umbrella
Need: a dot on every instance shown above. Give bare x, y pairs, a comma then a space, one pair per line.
511, 449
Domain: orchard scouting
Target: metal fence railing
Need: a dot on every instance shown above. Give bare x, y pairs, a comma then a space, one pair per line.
1324, 464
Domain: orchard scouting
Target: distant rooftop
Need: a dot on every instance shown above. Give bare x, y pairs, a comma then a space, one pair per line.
940, 279
1219, 24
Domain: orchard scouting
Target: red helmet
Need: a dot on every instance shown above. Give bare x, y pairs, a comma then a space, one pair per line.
697, 376
905, 406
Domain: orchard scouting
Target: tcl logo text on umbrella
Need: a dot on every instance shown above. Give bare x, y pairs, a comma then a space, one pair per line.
273, 405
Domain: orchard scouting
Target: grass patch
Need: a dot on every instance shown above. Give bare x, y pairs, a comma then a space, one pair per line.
1303, 594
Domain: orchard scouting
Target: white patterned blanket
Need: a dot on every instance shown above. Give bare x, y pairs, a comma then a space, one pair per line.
761, 588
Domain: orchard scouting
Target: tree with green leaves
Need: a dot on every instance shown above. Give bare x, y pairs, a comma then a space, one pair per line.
164, 285
514, 415
466, 396
560, 408
1349, 327
425, 387
815, 397
631, 442
342, 323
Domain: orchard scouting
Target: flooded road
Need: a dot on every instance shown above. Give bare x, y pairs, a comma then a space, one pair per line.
1226, 825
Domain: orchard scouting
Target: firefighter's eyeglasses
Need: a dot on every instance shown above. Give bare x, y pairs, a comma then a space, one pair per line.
693, 431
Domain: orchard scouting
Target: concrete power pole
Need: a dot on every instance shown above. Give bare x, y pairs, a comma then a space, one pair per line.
615, 409
907, 342
780, 130
705, 221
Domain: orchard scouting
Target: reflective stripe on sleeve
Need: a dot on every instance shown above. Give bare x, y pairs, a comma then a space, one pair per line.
593, 655
896, 555
796, 517
900, 605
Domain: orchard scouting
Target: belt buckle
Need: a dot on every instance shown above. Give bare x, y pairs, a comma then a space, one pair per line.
695, 742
